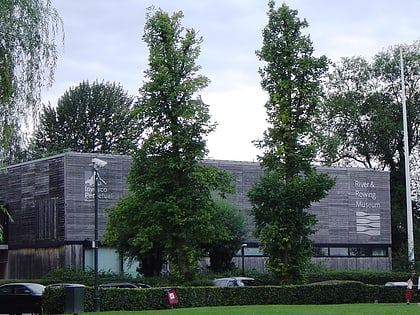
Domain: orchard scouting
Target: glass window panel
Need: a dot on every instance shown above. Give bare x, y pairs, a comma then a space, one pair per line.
360, 251
339, 251
321, 251
380, 251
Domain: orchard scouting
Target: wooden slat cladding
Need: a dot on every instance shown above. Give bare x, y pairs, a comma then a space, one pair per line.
56, 193
35, 196
52, 199
48, 201
46, 217
52, 204
27, 263
357, 192
80, 192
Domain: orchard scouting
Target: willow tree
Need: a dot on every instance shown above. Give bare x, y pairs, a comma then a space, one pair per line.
170, 206
290, 183
28, 54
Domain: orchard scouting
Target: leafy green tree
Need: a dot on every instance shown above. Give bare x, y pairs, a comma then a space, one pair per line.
171, 186
291, 77
361, 123
226, 235
28, 54
229, 234
88, 118
125, 220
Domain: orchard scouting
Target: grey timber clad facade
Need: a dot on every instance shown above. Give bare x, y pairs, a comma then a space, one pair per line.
354, 221
52, 203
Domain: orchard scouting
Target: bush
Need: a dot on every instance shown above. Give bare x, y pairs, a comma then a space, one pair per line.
328, 292
71, 275
53, 300
368, 277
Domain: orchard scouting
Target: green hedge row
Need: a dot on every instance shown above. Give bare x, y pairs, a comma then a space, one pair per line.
368, 277
69, 275
331, 292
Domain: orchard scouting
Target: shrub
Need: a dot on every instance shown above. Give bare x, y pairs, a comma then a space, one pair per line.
328, 292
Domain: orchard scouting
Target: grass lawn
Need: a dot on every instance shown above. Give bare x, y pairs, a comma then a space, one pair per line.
340, 309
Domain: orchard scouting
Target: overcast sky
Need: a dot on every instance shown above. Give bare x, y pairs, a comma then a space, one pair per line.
103, 42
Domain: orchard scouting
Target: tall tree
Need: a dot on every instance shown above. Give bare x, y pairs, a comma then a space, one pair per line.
363, 116
291, 77
172, 187
28, 54
88, 118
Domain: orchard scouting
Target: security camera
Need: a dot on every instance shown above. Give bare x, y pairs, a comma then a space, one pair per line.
99, 163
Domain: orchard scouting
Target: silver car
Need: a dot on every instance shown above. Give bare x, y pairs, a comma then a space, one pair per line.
233, 282
396, 284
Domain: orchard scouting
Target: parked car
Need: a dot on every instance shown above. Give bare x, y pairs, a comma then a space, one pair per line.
133, 285
65, 285
396, 284
233, 282
19, 298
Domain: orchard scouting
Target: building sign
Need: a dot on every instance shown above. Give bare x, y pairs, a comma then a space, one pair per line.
368, 218
366, 196
104, 190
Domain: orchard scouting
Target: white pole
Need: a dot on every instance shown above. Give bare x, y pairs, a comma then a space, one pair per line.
410, 237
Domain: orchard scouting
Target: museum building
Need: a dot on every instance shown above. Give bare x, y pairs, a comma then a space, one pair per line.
52, 204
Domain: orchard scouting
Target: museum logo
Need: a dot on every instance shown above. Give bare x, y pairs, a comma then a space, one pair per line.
104, 191
368, 223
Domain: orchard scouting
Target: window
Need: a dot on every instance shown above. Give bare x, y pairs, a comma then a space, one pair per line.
356, 251
360, 251
339, 251
321, 252
380, 252
6, 290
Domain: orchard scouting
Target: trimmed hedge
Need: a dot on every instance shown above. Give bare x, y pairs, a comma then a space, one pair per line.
368, 277
70, 275
329, 292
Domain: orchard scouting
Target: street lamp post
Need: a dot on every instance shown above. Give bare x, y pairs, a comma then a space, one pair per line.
97, 164
243, 257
